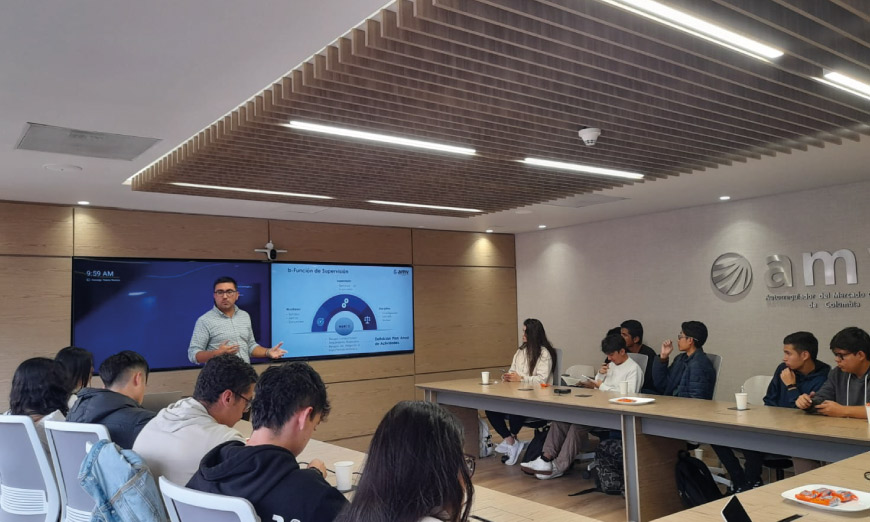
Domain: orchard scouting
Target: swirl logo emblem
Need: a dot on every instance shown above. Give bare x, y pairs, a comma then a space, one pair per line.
731, 274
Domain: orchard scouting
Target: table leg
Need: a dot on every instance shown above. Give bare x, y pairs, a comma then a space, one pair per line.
649, 464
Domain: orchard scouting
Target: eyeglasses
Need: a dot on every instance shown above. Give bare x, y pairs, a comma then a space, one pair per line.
682, 336
228, 293
247, 401
841, 355
470, 463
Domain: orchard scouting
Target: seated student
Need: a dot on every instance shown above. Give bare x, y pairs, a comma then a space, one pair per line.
534, 361
692, 374
844, 392
565, 440
400, 486
632, 331
38, 391
118, 406
174, 442
800, 372
78, 364
289, 402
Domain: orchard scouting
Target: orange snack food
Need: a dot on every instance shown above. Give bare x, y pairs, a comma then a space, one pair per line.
625, 400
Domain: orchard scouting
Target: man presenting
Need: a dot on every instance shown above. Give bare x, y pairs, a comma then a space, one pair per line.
227, 329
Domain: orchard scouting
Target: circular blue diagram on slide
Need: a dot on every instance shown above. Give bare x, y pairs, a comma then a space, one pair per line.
343, 303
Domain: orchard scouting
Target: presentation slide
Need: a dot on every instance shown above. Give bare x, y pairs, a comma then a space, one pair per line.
342, 310
151, 306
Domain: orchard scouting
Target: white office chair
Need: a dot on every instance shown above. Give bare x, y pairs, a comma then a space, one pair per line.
68, 442
557, 366
28, 491
577, 370
190, 505
717, 366
640, 359
756, 388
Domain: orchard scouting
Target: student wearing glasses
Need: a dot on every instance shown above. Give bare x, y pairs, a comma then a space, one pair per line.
844, 394
415, 470
691, 374
173, 442
226, 328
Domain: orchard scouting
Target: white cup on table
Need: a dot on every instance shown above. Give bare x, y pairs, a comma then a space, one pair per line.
868, 411
623, 388
484, 377
343, 475
742, 400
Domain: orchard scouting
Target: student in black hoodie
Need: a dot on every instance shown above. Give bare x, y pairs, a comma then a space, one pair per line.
289, 402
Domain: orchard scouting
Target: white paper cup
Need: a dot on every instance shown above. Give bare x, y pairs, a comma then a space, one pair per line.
699, 453
868, 411
742, 401
344, 475
484, 377
623, 388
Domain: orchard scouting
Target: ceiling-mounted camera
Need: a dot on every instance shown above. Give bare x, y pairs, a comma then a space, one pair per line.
589, 135
270, 251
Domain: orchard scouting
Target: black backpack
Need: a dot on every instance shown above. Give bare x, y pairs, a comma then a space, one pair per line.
536, 446
694, 481
608, 471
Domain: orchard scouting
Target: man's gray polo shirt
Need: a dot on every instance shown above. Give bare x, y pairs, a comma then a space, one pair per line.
213, 328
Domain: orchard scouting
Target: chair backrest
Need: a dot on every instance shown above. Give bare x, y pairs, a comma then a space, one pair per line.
27, 486
717, 366
190, 505
157, 401
577, 370
640, 359
68, 442
557, 366
756, 388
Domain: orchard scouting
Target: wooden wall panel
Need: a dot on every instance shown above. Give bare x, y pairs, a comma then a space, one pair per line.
360, 444
35, 320
122, 233
36, 230
444, 248
323, 242
464, 317
357, 407
494, 373
365, 368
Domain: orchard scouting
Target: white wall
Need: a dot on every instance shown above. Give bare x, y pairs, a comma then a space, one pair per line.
580, 281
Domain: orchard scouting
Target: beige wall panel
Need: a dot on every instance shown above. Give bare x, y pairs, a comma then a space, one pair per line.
35, 320
36, 230
443, 248
494, 373
464, 317
323, 242
120, 233
159, 382
357, 407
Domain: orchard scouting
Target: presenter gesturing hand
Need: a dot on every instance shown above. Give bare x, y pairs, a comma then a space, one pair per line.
226, 347
276, 352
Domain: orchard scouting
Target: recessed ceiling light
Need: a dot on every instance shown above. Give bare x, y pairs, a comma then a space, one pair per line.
381, 138
542, 226
586, 169
489, 231
251, 191
417, 205
61, 167
850, 85
83, 203
697, 27
724, 198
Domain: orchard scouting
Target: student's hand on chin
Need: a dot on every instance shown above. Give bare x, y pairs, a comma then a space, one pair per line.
787, 376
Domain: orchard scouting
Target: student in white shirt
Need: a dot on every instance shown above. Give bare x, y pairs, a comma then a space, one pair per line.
533, 363
565, 440
415, 470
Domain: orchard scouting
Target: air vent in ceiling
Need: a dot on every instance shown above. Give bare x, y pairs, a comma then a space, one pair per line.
583, 200
60, 140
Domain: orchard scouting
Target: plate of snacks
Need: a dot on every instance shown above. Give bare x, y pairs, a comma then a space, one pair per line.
831, 498
632, 401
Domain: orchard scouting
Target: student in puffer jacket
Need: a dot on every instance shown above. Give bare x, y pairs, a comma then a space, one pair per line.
691, 375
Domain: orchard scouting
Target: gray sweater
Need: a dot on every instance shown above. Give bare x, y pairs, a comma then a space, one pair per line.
844, 388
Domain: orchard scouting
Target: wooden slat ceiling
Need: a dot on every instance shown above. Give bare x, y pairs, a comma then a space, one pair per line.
517, 78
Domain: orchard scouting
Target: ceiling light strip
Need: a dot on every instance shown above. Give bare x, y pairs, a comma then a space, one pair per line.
850, 85
381, 138
251, 191
586, 169
417, 205
697, 27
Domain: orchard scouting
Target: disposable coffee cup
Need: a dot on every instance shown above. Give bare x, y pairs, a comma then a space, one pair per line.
344, 475
623, 388
868, 411
742, 401
484, 377
699, 453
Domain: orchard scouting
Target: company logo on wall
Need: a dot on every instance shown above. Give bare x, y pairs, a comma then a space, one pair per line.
731, 274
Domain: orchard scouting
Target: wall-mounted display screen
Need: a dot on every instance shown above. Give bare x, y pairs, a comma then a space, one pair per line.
342, 310
151, 306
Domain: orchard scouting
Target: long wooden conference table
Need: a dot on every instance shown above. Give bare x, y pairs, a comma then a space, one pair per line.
653, 433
